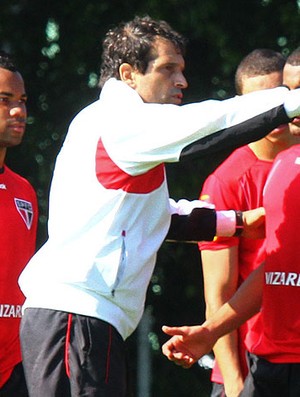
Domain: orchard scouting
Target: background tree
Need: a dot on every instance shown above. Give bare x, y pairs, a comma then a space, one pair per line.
57, 45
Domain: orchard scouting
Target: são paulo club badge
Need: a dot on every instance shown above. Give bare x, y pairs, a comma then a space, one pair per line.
25, 210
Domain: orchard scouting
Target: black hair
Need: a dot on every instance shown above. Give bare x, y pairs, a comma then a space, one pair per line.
294, 58
132, 42
258, 62
7, 61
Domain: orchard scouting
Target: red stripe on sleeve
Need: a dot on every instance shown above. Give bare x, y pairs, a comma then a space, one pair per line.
112, 177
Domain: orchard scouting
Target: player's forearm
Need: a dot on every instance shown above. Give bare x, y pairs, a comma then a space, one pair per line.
227, 356
243, 305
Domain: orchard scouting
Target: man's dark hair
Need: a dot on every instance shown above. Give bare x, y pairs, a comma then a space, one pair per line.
132, 42
258, 63
294, 58
7, 62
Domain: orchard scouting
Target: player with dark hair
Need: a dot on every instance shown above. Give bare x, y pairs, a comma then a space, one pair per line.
238, 183
259, 62
18, 224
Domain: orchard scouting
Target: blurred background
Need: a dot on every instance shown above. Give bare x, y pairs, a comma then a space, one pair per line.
57, 45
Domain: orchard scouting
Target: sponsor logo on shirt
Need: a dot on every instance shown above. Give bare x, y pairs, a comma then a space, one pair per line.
283, 278
2, 186
25, 210
8, 311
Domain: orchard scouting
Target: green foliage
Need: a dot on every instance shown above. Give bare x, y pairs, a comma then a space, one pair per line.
57, 45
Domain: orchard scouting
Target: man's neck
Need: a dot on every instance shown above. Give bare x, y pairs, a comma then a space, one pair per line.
2, 156
267, 150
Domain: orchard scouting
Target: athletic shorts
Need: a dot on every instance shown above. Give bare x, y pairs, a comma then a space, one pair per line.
16, 384
217, 390
267, 379
67, 354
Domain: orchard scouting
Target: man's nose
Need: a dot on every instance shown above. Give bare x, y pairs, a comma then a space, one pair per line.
17, 109
181, 81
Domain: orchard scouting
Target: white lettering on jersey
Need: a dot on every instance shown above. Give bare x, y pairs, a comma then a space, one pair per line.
8, 311
283, 278
25, 210
2, 186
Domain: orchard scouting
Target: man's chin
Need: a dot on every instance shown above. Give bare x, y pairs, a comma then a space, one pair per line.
13, 142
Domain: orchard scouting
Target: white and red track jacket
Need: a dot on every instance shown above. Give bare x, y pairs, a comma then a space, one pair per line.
109, 201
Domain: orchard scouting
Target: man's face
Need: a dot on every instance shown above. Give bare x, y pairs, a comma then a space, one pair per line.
262, 82
12, 108
163, 80
291, 78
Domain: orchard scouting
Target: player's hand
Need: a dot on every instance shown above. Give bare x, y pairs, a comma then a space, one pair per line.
254, 223
187, 344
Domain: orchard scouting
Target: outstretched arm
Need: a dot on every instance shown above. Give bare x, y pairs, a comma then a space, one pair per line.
189, 343
205, 223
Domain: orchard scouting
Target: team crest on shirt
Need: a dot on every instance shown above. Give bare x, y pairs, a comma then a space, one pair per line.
25, 210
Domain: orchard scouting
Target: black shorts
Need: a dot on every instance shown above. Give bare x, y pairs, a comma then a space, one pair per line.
16, 384
218, 390
66, 354
267, 379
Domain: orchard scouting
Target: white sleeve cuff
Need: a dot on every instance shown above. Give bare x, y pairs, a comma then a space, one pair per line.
185, 207
226, 223
292, 103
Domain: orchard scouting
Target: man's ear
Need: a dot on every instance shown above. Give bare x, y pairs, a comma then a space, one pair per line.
127, 74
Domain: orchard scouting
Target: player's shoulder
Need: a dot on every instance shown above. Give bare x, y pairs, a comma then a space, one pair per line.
17, 178
236, 164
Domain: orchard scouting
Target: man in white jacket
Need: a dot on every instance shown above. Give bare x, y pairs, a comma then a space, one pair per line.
110, 210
